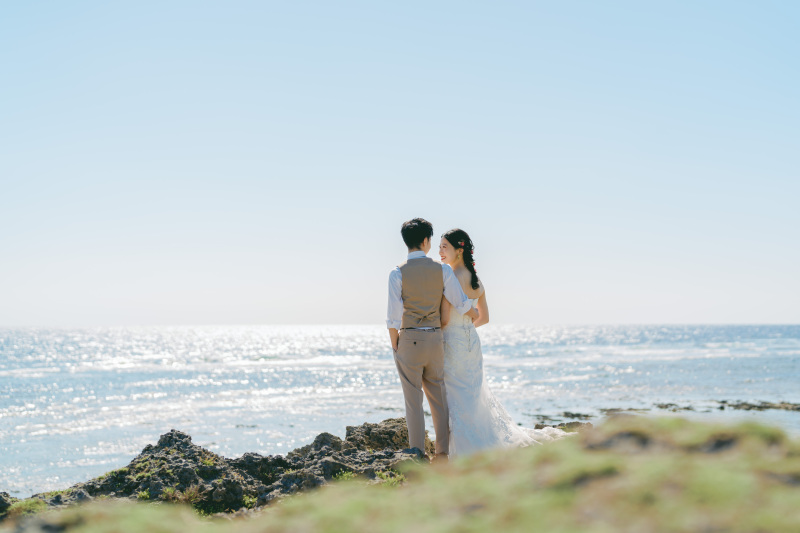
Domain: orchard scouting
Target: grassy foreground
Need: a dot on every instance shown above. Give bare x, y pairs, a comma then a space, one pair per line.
631, 474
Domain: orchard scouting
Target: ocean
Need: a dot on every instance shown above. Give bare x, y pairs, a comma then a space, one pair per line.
75, 403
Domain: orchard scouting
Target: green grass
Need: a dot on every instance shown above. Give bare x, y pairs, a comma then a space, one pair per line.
391, 478
118, 516
53, 493
249, 501
25, 508
191, 495
119, 472
344, 475
143, 495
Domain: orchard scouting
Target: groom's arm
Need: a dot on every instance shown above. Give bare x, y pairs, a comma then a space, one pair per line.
455, 294
394, 311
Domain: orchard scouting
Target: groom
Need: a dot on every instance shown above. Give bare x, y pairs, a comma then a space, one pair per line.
416, 288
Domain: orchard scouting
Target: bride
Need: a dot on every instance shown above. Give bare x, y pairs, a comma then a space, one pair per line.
477, 420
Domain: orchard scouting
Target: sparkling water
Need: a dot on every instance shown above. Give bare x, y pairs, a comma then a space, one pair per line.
77, 403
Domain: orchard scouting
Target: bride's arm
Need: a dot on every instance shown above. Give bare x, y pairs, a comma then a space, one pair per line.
444, 311
483, 311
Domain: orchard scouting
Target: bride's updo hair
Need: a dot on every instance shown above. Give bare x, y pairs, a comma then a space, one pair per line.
459, 239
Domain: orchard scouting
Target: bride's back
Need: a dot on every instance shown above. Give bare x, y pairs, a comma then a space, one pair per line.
450, 316
464, 277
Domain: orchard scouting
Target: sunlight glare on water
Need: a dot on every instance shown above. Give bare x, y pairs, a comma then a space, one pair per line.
77, 403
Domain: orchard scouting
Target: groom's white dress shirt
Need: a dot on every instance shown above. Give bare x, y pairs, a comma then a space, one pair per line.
452, 292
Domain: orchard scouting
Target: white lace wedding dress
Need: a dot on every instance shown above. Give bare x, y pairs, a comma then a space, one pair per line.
477, 420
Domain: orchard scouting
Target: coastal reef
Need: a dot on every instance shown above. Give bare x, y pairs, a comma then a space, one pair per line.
759, 406
628, 474
178, 471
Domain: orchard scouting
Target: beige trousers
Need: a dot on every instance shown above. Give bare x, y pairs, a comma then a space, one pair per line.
420, 363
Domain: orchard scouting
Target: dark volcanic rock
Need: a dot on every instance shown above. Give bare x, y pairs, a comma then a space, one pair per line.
392, 433
576, 416
674, 407
266, 469
321, 441
570, 427
760, 406
6, 501
176, 470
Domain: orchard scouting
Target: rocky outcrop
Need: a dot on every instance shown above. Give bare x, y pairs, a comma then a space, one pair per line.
6, 501
674, 407
177, 470
392, 433
628, 474
569, 427
760, 406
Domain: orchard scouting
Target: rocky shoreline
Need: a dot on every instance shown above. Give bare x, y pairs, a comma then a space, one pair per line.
628, 473
177, 470
721, 405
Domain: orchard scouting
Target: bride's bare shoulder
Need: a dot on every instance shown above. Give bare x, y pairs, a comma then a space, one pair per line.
481, 290
465, 279
464, 275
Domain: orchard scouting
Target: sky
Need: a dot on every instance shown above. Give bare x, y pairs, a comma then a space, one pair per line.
169, 163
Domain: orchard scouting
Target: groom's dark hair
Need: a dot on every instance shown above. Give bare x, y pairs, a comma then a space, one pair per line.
415, 231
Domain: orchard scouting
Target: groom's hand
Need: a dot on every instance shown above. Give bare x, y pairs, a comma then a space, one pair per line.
473, 314
394, 337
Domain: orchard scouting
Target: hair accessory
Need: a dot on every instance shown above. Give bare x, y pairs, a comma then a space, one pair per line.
461, 243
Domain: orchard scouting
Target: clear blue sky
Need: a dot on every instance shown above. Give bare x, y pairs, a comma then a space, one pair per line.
251, 162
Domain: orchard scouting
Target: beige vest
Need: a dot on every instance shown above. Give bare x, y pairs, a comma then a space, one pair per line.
421, 292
